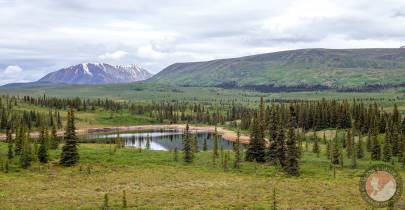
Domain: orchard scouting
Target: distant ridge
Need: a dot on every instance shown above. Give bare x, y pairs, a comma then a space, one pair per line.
303, 69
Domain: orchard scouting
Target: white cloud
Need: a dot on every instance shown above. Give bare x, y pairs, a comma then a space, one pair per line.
148, 52
12, 72
114, 55
139, 31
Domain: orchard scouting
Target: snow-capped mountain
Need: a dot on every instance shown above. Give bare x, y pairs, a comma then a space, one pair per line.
97, 73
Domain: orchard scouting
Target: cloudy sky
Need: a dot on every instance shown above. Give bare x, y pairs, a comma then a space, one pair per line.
40, 36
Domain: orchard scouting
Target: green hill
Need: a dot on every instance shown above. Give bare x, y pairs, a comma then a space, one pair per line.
305, 68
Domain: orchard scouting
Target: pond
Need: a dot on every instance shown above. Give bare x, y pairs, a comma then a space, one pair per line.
164, 140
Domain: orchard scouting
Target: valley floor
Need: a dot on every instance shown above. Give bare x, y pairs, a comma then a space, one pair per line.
152, 179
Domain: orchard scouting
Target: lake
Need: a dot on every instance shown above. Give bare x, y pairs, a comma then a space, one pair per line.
164, 140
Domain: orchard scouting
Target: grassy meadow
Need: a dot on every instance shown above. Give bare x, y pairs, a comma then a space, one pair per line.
154, 180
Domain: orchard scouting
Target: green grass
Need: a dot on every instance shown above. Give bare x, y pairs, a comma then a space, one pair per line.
153, 180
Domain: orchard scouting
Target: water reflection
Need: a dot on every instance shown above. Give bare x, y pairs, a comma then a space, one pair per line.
159, 140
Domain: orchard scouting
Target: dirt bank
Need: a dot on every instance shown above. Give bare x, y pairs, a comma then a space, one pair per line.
226, 134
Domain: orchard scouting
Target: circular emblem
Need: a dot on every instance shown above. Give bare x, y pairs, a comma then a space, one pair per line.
381, 185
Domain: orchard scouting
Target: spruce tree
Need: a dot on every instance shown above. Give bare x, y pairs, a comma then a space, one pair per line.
237, 151
187, 146
43, 155
205, 144
359, 148
54, 140
335, 153
387, 148
26, 152
291, 166
376, 150
124, 199
354, 157
70, 155
375, 143
176, 155
315, 147
256, 147
350, 143
19, 140
10, 143
216, 144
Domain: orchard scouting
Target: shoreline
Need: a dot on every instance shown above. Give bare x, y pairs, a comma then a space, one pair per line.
225, 133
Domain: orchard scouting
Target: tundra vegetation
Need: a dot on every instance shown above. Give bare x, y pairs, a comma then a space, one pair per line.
301, 154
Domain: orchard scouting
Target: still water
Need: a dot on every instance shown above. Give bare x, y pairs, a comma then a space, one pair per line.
159, 140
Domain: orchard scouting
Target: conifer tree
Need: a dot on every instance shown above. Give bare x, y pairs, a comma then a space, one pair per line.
349, 143
375, 143
216, 144
176, 155
19, 140
187, 146
237, 150
359, 148
10, 143
43, 155
205, 144
54, 138
256, 147
291, 166
195, 144
315, 147
70, 155
274, 206
335, 153
328, 149
354, 157
124, 199
387, 148
273, 125
369, 142
26, 152
106, 205
147, 142
376, 150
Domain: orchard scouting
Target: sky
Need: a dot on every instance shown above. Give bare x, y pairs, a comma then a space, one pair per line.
41, 36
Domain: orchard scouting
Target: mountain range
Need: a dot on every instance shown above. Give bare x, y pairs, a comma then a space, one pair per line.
294, 69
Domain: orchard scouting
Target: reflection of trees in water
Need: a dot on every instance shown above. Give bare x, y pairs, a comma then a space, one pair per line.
169, 142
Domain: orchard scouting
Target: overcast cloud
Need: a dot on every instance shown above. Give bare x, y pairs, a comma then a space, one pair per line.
40, 36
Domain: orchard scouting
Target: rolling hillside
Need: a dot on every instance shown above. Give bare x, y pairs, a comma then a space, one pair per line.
294, 69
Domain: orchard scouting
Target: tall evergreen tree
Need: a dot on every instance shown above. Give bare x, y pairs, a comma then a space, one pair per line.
20, 132
291, 165
54, 140
187, 146
237, 150
10, 143
387, 148
315, 147
43, 155
205, 144
70, 154
26, 152
256, 147
359, 148
335, 153
216, 144
376, 148
349, 143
